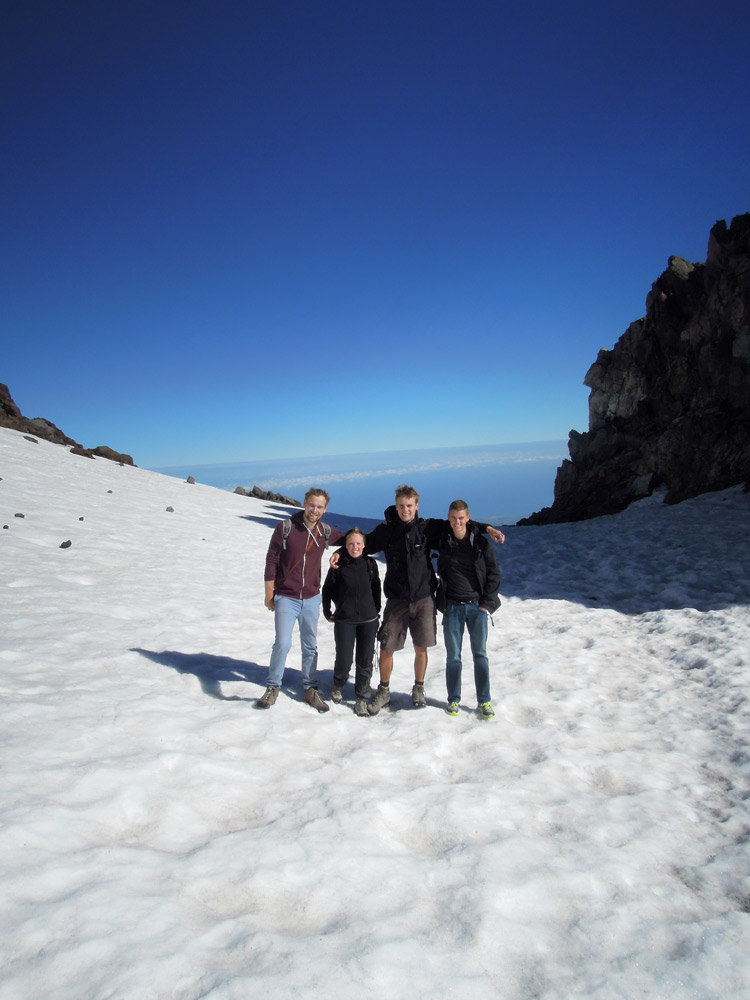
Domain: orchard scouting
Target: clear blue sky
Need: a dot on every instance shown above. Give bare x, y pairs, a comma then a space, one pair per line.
236, 230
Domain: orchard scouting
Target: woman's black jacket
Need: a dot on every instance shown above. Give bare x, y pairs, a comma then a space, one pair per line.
354, 587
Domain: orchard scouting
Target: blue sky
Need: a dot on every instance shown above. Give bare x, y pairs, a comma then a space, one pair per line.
240, 230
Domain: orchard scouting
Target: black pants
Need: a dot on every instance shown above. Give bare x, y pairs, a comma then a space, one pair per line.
345, 635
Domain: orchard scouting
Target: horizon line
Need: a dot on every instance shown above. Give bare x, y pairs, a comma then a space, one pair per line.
359, 454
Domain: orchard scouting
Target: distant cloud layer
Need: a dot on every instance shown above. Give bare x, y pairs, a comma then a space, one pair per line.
455, 462
502, 482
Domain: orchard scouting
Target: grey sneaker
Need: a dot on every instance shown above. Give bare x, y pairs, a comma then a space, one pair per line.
452, 708
337, 695
417, 696
268, 697
360, 707
312, 698
380, 700
485, 711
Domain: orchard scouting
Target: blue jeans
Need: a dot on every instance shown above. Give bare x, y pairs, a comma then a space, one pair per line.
289, 610
454, 619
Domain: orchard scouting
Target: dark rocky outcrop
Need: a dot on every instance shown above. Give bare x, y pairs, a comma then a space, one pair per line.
260, 494
11, 416
669, 406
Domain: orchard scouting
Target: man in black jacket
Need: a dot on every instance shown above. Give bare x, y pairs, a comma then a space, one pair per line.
409, 587
470, 577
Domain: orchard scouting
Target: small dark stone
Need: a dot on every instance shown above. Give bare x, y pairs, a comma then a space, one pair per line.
66, 545
19, 515
190, 480
170, 510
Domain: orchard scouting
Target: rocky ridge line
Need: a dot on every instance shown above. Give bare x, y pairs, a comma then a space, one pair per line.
11, 416
669, 407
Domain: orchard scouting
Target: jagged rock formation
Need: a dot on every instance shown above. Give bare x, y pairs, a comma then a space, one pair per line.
272, 497
669, 406
11, 416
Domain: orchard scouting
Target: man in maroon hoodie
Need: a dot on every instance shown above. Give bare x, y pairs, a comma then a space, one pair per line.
292, 582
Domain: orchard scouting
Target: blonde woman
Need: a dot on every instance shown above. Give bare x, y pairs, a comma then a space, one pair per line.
354, 587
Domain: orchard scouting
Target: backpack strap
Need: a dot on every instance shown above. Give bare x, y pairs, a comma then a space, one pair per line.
287, 527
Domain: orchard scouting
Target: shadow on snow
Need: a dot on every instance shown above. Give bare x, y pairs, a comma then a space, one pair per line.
210, 670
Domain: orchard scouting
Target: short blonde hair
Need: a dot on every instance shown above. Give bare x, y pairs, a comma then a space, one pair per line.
406, 493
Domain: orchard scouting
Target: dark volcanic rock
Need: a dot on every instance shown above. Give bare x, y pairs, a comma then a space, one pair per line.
669, 406
260, 494
102, 451
8, 409
10, 416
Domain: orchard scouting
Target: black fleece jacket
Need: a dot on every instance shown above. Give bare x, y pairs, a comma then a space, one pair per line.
485, 564
409, 572
354, 587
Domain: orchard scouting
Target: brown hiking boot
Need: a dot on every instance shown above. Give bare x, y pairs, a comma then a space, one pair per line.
381, 699
268, 698
417, 696
312, 698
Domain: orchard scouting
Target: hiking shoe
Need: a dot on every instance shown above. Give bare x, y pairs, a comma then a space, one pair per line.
360, 707
380, 700
417, 696
337, 695
268, 697
485, 710
452, 708
312, 698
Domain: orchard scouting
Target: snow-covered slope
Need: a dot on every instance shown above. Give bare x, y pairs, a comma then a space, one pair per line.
162, 839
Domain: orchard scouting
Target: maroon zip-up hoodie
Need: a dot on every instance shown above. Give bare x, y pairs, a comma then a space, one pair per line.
295, 569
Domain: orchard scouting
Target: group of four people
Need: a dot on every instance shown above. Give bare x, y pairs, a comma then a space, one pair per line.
466, 593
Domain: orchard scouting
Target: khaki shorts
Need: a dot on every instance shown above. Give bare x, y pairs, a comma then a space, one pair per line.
400, 616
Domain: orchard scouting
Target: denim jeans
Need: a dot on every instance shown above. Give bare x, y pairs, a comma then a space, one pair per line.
289, 610
475, 620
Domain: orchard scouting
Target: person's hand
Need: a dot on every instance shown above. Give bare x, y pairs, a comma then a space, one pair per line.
496, 535
333, 562
269, 603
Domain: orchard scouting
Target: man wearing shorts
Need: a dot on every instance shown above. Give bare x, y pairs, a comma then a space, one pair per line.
409, 586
